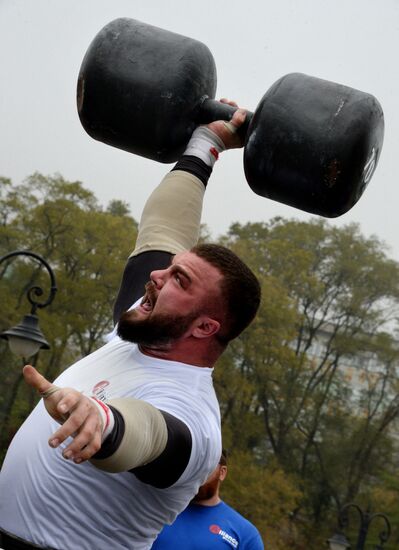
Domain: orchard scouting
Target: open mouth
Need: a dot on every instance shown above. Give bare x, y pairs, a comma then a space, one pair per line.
149, 300
146, 303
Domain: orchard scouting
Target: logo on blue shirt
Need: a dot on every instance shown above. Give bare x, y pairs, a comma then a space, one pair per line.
216, 530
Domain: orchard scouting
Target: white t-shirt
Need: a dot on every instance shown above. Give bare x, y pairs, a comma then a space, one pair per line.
54, 502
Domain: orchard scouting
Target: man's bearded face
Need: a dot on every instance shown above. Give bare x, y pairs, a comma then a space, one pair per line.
210, 488
155, 328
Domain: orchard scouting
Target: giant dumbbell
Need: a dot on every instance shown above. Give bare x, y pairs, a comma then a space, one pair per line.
311, 143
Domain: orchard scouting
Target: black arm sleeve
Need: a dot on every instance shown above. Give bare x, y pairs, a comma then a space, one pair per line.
138, 268
136, 275
194, 166
165, 470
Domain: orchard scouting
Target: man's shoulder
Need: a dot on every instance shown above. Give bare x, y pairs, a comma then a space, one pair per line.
226, 524
230, 511
239, 519
223, 511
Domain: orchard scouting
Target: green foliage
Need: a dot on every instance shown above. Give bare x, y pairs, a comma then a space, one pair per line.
118, 208
265, 495
308, 394
86, 247
324, 328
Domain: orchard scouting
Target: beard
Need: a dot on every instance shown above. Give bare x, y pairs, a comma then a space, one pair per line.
207, 491
155, 330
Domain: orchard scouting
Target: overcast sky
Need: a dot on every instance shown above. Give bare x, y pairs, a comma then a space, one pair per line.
42, 44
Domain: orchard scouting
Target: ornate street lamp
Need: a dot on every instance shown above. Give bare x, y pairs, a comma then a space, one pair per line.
26, 338
340, 542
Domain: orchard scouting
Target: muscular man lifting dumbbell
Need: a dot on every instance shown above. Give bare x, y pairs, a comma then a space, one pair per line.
126, 460
147, 448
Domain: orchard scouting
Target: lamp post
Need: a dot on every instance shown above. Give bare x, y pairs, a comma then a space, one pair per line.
26, 338
339, 540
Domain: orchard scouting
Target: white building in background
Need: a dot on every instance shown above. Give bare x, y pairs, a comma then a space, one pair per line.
361, 371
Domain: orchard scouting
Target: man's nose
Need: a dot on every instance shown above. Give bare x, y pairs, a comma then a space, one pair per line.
158, 278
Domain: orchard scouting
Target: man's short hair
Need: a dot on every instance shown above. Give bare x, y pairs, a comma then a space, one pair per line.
223, 458
240, 289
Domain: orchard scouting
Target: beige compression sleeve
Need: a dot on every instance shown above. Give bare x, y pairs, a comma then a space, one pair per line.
171, 218
144, 439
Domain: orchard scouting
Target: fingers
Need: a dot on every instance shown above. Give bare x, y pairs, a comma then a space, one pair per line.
228, 101
227, 131
76, 414
239, 116
51, 393
80, 417
84, 425
87, 443
34, 379
69, 401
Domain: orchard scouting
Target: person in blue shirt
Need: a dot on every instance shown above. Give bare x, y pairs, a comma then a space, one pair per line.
209, 523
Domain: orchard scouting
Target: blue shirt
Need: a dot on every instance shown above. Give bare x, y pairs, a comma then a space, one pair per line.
209, 527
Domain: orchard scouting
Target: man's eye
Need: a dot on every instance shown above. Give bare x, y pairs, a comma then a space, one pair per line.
177, 277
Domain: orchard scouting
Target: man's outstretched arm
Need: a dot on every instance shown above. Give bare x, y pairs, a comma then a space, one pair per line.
131, 435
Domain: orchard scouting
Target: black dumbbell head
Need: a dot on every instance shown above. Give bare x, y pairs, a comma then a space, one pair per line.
140, 87
313, 144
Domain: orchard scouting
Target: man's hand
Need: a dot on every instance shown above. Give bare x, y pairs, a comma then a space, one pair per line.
78, 414
227, 132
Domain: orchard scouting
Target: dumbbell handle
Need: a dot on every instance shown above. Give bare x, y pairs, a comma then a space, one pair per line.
211, 110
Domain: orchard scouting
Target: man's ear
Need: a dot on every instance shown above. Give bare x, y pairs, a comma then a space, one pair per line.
222, 472
204, 327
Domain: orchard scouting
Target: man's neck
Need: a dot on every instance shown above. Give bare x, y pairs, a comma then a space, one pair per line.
183, 351
213, 501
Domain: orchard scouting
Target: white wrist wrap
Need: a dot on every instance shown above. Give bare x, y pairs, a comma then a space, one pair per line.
145, 437
107, 417
205, 145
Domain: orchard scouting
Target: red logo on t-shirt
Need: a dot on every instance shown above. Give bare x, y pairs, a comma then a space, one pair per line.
216, 530
100, 386
99, 390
